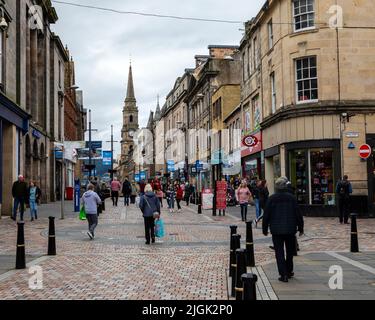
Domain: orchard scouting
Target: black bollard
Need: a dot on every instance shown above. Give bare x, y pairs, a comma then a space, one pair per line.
240, 270
250, 259
236, 245
354, 234
51, 237
199, 203
233, 230
20, 254
249, 286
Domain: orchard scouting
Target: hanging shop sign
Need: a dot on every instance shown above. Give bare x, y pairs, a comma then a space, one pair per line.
251, 144
221, 195
250, 141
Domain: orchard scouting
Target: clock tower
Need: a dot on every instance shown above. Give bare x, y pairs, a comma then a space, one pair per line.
130, 120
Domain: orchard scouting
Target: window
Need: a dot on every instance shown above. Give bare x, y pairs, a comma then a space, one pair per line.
255, 53
2, 60
131, 119
217, 109
273, 93
303, 14
307, 79
249, 60
270, 35
244, 68
60, 74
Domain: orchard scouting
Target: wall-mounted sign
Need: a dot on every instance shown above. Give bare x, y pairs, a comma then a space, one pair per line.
365, 151
351, 145
36, 134
250, 141
352, 134
94, 144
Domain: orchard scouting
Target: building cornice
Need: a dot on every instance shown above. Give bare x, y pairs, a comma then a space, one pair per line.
322, 108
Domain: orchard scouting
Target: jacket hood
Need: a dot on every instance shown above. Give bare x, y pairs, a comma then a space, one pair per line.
88, 193
150, 194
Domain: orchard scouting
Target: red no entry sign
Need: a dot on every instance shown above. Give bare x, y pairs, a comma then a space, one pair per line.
365, 151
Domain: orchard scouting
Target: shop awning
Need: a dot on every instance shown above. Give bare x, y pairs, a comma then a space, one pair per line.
12, 113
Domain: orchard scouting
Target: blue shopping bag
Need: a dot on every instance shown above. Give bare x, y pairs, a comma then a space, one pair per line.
159, 228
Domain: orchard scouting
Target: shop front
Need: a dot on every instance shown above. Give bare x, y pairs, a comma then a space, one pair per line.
251, 156
314, 168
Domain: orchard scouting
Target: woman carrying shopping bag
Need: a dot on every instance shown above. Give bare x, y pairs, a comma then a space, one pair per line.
150, 207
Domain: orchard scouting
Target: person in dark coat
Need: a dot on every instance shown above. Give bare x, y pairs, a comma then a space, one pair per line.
343, 191
19, 193
283, 218
149, 205
126, 191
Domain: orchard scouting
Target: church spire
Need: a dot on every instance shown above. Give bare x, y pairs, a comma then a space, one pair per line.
130, 96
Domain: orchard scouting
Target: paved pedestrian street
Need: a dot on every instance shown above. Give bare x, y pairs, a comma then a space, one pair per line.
191, 262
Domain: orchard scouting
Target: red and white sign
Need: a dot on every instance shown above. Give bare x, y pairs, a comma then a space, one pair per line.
221, 195
365, 151
251, 144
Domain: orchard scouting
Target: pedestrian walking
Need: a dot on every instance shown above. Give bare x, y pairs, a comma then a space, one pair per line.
344, 190
19, 193
243, 197
171, 194
179, 196
188, 192
134, 192
126, 191
115, 189
34, 195
159, 194
283, 217
90, 201
150, 207
263, 194
142, 186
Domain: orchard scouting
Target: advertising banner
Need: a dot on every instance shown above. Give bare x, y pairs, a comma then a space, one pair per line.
83, 154
221, 195
207, 199
107, 158
71, 147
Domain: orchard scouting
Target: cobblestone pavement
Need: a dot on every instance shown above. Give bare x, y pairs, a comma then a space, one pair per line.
189, 263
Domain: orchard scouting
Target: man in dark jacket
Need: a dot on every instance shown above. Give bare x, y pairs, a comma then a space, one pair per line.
19, 193
343, 190
283, 217
126, 191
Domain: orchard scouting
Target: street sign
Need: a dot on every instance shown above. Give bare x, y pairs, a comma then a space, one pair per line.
365, 151
199, 165
77, 195
207, 199
221, 195
107, 158
142, 175
170, 166
250, 141
136, 177
94, 144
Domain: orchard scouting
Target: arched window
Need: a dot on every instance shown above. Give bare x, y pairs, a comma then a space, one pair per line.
131, 118
35, 150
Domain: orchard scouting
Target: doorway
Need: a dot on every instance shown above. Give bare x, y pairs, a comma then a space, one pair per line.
371, 174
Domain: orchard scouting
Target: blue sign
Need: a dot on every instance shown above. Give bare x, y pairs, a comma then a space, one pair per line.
77, 195
170, 166
136, 177
199, 165
58, 154
107, 158
36, 134
142, 175
94, 144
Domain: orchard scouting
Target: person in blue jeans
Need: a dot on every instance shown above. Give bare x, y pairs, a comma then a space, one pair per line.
19, 193
34, 195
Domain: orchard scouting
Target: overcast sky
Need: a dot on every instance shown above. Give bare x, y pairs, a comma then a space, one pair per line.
101, 44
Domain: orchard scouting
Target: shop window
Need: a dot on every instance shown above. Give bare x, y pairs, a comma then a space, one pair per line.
322, 181
276, 167
312, 176
299, 175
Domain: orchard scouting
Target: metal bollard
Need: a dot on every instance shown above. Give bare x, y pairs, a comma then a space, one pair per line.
51, 237
236, 245
20, 254
354, 234
250, 259
240, 270
249, 286
199, 203
233, 230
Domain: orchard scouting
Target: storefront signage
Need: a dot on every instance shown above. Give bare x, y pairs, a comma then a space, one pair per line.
207, 199
142, 175
136, 177
170, 166
251, 144
107, 158
221, 195
199, 165
365, 151
250, 141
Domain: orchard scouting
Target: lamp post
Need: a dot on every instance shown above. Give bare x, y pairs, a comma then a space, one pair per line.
112, 172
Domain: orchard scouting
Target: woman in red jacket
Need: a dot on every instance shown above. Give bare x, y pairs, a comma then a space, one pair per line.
179, 196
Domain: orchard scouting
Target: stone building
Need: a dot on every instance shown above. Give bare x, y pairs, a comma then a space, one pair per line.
310, 90
212, 71
32, 87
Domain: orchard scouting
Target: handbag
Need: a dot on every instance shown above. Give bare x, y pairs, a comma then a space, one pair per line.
159, 228
156, 214
82, 213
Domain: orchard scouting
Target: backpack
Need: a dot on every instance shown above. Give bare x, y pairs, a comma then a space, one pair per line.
343, 188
